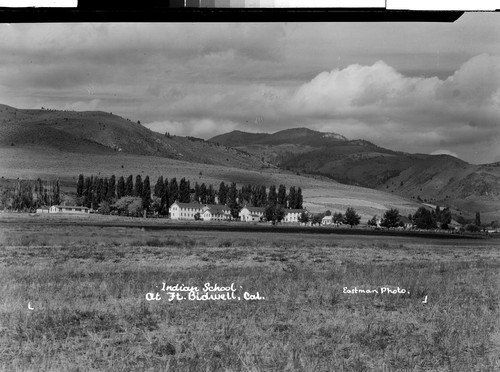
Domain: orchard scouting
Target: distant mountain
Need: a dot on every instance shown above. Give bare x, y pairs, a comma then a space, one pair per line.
97, 132
294, 136
438, 179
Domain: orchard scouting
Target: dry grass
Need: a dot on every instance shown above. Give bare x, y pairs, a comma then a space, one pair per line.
88, 288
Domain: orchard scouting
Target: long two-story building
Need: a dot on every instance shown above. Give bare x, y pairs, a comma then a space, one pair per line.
184, 211
207, 212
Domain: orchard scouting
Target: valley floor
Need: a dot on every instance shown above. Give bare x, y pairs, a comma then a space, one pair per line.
88, 288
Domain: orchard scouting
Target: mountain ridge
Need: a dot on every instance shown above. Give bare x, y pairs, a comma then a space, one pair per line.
440, 179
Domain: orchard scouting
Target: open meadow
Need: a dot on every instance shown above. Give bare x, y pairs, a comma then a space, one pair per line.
87, 287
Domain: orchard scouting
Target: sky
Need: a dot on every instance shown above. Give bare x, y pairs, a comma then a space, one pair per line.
415, 87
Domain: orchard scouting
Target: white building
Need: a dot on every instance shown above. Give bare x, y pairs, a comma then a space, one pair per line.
293, 215
327, 220
248, 214
185, 211
69, 209
214, 212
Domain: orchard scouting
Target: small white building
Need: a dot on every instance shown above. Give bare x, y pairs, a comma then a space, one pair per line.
249, 214
69, 209
214, 212
42, 210
327, 220
185, 211
293, 215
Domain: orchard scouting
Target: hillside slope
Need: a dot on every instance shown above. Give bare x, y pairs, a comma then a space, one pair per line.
105, 133
438, 179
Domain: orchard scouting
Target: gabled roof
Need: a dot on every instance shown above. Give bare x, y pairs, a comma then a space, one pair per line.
255, 209
70, 206
187, 205
294, 210
216, 208
404, 220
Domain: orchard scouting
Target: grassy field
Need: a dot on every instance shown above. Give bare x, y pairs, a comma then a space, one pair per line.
88, 286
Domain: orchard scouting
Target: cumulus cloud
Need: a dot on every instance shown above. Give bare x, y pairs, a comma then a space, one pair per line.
415, 92
409, 112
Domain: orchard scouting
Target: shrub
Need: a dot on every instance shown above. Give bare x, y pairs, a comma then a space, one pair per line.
391, 218
472, 228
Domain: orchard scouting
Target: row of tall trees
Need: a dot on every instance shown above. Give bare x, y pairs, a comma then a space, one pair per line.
94, 192
29, 195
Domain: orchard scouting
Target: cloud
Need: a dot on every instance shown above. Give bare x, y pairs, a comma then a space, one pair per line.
414, 92
404, 112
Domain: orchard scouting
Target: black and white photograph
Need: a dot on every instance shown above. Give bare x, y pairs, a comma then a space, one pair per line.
250, 196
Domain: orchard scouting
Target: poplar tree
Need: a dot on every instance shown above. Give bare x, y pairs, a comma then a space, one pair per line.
174, 190
292, 198
79, 186
111, 189
222, 194
282, 195
184, 191
210, 195
298, 199
159, 193
120, 188
165, 198
98, 191
203, 193
262, 196
146, 193
56, 193
197, 192
232, 201
138, 186
104, 190
87, 192
129, 186
272, 196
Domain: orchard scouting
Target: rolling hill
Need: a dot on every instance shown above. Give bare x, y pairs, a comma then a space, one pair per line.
438, 179
105, 133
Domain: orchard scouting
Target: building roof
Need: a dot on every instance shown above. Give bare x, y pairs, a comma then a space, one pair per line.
294, 210
404, 220
216, 208
70, 206
328, 218
255, 209
187, 205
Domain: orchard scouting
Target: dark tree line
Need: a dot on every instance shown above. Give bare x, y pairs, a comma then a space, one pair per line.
423, 218
97, 192
30, 195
